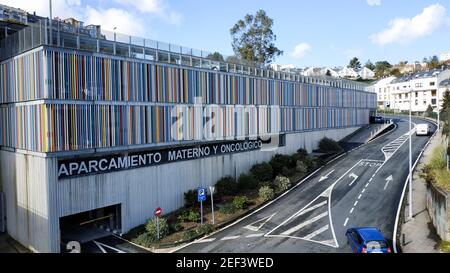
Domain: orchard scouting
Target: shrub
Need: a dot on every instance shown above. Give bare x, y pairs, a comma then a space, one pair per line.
262, 172
240, 202
190, 234
310, 163
287, 171
327, 145
190, 198
228, 208
175, 227
144, 240
278, 162
301, 167
282, 183
189, 216
226, 186
438, 159
205, 229
247, 182
266, 193
302, 153
152, 231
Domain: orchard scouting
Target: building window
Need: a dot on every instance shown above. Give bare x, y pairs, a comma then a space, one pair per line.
433, 93
431, 83
417, 102
433, 101
417, 93
424, 102
282, 140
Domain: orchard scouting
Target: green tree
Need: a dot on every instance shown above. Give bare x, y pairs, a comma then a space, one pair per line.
396, 72
429, 111
445, 111
382, 69
216, 56
254, 40
433, 62
370, 65
354, 63
328, 73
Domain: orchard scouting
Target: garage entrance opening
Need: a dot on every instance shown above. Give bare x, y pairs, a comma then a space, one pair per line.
90, 225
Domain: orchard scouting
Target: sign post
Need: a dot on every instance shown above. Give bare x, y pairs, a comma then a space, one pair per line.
158, 212
212, 188
201, 196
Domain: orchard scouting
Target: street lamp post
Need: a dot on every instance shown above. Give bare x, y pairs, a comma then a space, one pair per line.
410, 157
51, 23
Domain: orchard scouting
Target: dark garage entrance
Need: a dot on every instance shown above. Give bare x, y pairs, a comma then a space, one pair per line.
90, 225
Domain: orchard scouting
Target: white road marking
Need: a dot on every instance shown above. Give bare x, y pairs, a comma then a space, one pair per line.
312, 208
317, 232
326, 193
325, 176
356, 203
351, 211
363, 190
346, 221
359, 197
327, 242
367, 184
230, 238
304, 224
206, 240
354, 176
101, 245
255, 235
389, 179
263, 220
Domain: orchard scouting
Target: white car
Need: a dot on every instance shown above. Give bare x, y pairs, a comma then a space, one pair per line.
422, 129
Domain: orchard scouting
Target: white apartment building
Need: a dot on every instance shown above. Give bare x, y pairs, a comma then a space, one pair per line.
365, 73
348, 72
445, 57
424, 88
12, 14
383, 89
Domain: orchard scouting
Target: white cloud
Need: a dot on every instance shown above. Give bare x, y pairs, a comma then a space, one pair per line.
124, 21
159, 8
373, 2
300, 50
60, 8
405, 30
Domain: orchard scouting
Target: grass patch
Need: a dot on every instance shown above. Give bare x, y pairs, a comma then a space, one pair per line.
441, 179
436, 169
444, 246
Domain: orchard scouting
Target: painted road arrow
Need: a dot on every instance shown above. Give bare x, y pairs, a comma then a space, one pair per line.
326, 176
354, 176
389, 179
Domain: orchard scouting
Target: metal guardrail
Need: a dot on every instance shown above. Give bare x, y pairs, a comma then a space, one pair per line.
107, 42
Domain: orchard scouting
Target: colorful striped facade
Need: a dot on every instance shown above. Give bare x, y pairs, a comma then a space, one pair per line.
58, 100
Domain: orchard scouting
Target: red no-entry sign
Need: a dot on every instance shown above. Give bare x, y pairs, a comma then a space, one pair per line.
158, 212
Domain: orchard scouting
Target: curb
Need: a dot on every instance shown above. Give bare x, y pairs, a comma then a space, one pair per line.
402, 198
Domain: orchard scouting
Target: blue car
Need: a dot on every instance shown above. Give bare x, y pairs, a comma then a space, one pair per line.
367, 240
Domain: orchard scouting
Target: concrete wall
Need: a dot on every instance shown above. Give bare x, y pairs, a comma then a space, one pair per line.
29, 209
36, 199
438, 205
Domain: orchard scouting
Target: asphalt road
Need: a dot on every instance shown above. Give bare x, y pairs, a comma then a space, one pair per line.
362, 188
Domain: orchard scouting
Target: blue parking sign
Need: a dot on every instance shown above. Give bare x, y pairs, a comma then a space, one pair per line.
201, 194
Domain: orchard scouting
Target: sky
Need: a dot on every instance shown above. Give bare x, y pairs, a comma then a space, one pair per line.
310, 33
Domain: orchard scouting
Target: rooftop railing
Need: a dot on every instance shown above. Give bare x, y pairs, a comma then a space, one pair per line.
107, 42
